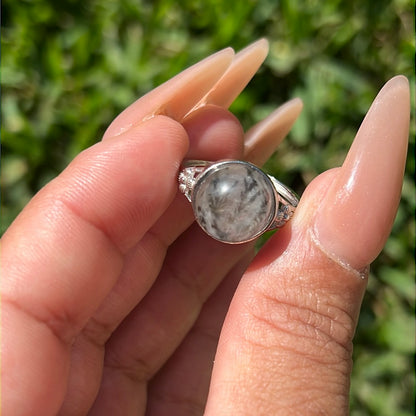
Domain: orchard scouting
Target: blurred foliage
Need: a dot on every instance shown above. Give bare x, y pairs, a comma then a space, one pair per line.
69, 67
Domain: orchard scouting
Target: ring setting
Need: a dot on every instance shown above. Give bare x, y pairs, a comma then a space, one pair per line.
234, 201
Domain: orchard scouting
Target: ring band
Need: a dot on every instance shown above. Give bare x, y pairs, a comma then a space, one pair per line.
235, 201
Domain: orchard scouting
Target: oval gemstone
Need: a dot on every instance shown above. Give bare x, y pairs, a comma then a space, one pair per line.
234, 201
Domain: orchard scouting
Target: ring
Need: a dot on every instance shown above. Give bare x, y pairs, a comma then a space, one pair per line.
234, 201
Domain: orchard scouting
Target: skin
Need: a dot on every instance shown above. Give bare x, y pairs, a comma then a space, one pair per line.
115, 303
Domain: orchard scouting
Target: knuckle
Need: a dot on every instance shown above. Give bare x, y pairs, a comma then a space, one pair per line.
136, 369
97, 331
303, 325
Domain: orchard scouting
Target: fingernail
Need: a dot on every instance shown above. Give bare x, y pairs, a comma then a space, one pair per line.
262, 139
355, 218
177, 96
245, 64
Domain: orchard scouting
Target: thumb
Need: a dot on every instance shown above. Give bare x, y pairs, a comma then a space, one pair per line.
286, 344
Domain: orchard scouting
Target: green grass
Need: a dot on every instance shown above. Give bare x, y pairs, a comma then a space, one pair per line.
69, 67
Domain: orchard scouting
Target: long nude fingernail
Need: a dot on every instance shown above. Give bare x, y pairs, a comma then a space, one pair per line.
355, 218
245, 64
262, 139
177, 96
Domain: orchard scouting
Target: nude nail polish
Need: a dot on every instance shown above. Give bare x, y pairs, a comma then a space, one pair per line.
355, 218
245, 64
262, 139
177, 96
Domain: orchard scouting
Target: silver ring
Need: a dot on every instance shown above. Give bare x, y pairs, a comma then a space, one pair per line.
235, 201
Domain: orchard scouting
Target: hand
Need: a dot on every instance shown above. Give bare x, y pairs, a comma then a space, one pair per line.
113, 301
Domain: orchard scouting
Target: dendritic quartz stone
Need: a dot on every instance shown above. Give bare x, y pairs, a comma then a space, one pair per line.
234, 202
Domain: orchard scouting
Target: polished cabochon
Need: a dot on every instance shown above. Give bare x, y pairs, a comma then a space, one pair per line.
234, 201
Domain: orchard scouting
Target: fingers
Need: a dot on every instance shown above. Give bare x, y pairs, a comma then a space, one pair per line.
357, 213
102, 207
193, 268
213, 133
193, 359
63, 254
210, 138
287, 337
